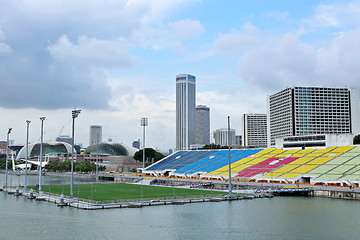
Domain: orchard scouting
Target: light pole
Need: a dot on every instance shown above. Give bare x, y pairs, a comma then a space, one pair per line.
230, 190
27, 150
75, 114
41, 152
7, 157
97, 158
144, 123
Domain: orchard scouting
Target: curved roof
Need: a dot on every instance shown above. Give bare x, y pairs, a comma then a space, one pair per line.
111, 149
54, 148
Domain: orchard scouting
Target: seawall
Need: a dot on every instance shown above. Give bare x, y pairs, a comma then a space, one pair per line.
352, 195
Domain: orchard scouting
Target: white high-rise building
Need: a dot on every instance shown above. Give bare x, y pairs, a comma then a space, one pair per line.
95, 134
254, 130
221, 137
299, 111
185, 111
202, 125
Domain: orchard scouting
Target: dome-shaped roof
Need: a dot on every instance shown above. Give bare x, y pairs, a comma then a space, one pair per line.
54, 148
111, 149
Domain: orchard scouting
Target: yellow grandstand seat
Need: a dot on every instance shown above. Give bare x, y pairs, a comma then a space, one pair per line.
290, 175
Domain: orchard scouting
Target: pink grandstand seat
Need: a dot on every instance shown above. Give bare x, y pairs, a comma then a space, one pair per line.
265, 166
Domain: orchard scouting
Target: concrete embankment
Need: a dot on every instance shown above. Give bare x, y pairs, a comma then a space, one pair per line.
337, 194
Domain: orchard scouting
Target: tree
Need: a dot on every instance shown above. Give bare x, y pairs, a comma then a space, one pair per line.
3, 163
356, 139
150, 154
84, 167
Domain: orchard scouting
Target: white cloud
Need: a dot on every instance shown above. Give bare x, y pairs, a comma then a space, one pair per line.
2, 35
187, 29
287, 61
91, 51
235, 42
171, 35
4, 48
278, 15
336, 15
72, 44
338, 63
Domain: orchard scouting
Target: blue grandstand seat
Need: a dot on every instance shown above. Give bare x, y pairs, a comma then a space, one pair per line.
216, 161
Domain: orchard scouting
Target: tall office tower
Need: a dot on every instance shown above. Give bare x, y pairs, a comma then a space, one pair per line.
95, 134
185, 111
254, 130
221, 137
299, 111
202, 125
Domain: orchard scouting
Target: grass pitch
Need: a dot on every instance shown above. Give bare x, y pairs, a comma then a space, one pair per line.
125, 192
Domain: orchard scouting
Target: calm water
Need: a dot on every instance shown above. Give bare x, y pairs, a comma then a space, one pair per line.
276, 218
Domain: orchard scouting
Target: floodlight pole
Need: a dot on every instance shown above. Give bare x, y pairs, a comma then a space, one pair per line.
27, 151
97, 159
230, 190
7, 157
41, 151
75, 114
144, 123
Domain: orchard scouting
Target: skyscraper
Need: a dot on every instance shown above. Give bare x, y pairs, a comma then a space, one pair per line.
221, 137
254, 130
300, 111
202, 125
95, 134
185, 111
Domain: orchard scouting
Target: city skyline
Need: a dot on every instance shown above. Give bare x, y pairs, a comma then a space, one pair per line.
116, 61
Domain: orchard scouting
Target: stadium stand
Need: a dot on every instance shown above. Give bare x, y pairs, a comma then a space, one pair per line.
333, 164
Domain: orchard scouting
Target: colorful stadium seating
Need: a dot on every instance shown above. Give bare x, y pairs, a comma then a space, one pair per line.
331, 164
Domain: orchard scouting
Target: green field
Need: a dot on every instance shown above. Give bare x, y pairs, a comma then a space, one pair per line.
125, 192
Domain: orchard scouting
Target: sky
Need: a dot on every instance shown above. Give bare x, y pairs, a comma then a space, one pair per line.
117, 61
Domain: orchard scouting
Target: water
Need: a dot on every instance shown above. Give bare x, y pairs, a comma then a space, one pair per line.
276, 218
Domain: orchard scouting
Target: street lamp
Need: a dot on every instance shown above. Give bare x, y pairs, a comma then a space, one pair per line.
144, 123
41, 152
7, 157
27, 150
75, 114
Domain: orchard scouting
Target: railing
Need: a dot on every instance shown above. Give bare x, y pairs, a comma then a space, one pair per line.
132, 200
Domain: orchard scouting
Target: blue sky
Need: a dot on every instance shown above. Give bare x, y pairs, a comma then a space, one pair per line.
117, 60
